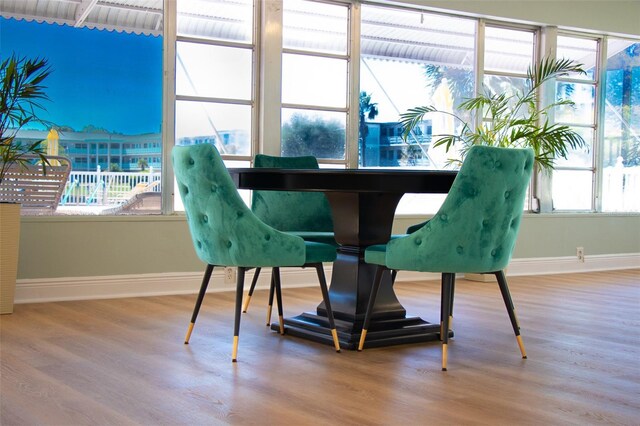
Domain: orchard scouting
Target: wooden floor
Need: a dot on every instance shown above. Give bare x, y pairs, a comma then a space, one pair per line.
119, 362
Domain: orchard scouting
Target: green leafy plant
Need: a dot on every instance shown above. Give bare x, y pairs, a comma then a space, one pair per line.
511, 120
21, 94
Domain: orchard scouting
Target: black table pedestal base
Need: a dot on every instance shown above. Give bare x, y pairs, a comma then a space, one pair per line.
381, 333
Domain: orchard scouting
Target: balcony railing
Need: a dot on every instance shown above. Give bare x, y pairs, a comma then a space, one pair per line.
621, 186
107, 188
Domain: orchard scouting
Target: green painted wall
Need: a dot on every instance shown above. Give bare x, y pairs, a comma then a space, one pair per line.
55, 247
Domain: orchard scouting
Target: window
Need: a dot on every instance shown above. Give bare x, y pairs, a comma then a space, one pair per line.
435, 55
214, 75
621, 127
314, 79
328, 94
573, 181
105, 89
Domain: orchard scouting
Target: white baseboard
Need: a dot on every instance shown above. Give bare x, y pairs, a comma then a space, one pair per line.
116, 286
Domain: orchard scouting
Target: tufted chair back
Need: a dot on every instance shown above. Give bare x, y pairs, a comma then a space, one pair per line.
476, 228
223, 229
292, 210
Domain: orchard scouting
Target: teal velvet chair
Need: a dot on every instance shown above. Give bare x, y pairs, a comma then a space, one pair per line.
475, 230
306, 214
225, 232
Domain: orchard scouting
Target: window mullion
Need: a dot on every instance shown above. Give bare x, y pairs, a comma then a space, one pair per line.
598, 145
543, 180
270, 100
168, 104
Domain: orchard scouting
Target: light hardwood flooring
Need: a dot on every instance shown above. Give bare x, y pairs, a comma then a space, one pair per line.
123, 361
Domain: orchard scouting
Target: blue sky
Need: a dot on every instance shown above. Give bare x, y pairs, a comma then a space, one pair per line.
103, 78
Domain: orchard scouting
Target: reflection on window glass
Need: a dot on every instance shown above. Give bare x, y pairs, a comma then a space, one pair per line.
106, 111
226, 126
621, 150
315, 27
572, 190
216, 19
312, 80
581, 50
411, 59
583, 96
213, 71
317, 133
508, 50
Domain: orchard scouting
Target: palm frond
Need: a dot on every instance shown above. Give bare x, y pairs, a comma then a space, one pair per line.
412, 118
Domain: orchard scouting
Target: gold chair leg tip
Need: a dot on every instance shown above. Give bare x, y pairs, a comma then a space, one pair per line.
444, 368
234, 360
524, 357
186, 343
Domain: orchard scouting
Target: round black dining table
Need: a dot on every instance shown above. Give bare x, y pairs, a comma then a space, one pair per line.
363, 204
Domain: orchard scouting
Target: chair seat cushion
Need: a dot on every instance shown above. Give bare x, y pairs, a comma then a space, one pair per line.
318, 237
376, 254
318, 252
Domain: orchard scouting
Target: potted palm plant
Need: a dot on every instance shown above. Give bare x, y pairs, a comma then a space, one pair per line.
21, 94
511, 119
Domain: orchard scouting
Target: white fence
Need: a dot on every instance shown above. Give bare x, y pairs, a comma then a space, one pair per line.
621, 188
107, 188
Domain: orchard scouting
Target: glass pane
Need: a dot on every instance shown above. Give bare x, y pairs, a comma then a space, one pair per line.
227, 126
216, 19
581, 157
621, 150
508, 50
106, 107
572, 190
213, 71
434, 54
583, 95
510, 86
317, 133
314, 26
581, 50
310, 80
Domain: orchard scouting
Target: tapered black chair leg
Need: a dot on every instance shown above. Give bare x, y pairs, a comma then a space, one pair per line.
270, 303
442, 295
196, 309
327, 305
506, 296
254, 281
453, 292
372, 301
276, 282
394, 274
447, 286
238, 312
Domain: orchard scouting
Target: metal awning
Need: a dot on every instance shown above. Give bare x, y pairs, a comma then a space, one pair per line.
406, 36
130, 16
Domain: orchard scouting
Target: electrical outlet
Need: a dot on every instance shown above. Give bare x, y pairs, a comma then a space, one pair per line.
229, 275
580, 254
